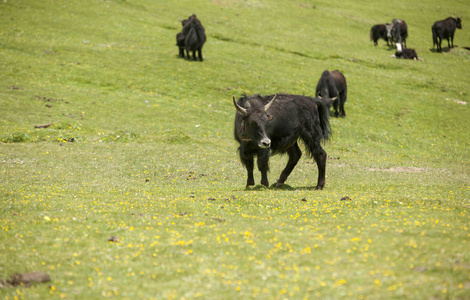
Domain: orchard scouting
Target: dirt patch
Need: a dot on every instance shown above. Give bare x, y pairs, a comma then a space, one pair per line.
24, 279
401, 170
113, 239
43, 125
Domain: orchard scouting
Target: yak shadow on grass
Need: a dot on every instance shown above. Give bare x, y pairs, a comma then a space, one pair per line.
434, 50
447, 49
191, 59
285, 187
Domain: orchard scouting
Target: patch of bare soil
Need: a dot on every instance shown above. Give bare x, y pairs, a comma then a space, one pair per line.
401, 170
25, 279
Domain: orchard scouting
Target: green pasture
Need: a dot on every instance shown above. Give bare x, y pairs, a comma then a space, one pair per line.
134, 189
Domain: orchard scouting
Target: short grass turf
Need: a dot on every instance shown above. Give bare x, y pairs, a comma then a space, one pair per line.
135, 190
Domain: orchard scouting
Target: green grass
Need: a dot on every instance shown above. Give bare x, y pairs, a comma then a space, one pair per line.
141, 148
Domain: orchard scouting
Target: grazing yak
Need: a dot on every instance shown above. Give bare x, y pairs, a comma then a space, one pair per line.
332, 90
397, 32
445, 29
377, 32
191, 38
268, 125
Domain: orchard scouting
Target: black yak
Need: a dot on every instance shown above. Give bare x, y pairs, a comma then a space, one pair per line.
191, 38
377, 32
266, 125
180, 43
406, 53
332, 90
397, 32
445, 29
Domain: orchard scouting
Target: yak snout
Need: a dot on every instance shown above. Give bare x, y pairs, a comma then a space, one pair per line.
265, 143
399, 48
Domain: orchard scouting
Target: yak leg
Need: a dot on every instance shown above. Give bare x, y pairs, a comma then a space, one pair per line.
294, 156
248, 162
335, 105
263, 165
250, 181
451, 41
320, 159
199, 53
342, 98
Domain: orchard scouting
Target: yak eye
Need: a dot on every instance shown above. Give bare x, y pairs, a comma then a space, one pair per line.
270, 117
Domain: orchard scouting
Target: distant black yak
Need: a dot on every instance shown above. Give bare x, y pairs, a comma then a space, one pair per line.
191, 38
397, 32
377, 32
266, 125
333, 91
445, 29
180, 43
406, 53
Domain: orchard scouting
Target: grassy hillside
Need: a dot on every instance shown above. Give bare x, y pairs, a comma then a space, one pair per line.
140, 150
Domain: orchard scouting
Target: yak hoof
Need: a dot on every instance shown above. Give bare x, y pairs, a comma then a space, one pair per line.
319, 187
279, 184
265, 183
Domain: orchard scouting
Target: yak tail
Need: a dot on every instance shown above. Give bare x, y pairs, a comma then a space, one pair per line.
318, 133
324, 114
434, 37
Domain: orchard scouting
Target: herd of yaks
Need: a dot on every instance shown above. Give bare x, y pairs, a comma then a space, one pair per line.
192, 36
395, 34
273, 124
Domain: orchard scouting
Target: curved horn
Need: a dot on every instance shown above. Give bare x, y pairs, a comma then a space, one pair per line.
319, 97
239, 108
267, 106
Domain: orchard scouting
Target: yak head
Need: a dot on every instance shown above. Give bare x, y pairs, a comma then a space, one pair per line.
458, 23
253, 123
188, 21
327, 100
389, 27
399, 47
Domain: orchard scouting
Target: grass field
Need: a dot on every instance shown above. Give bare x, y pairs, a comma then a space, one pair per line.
135, 190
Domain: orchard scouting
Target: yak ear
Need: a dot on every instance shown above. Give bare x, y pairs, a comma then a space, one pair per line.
267, 106
239, 108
